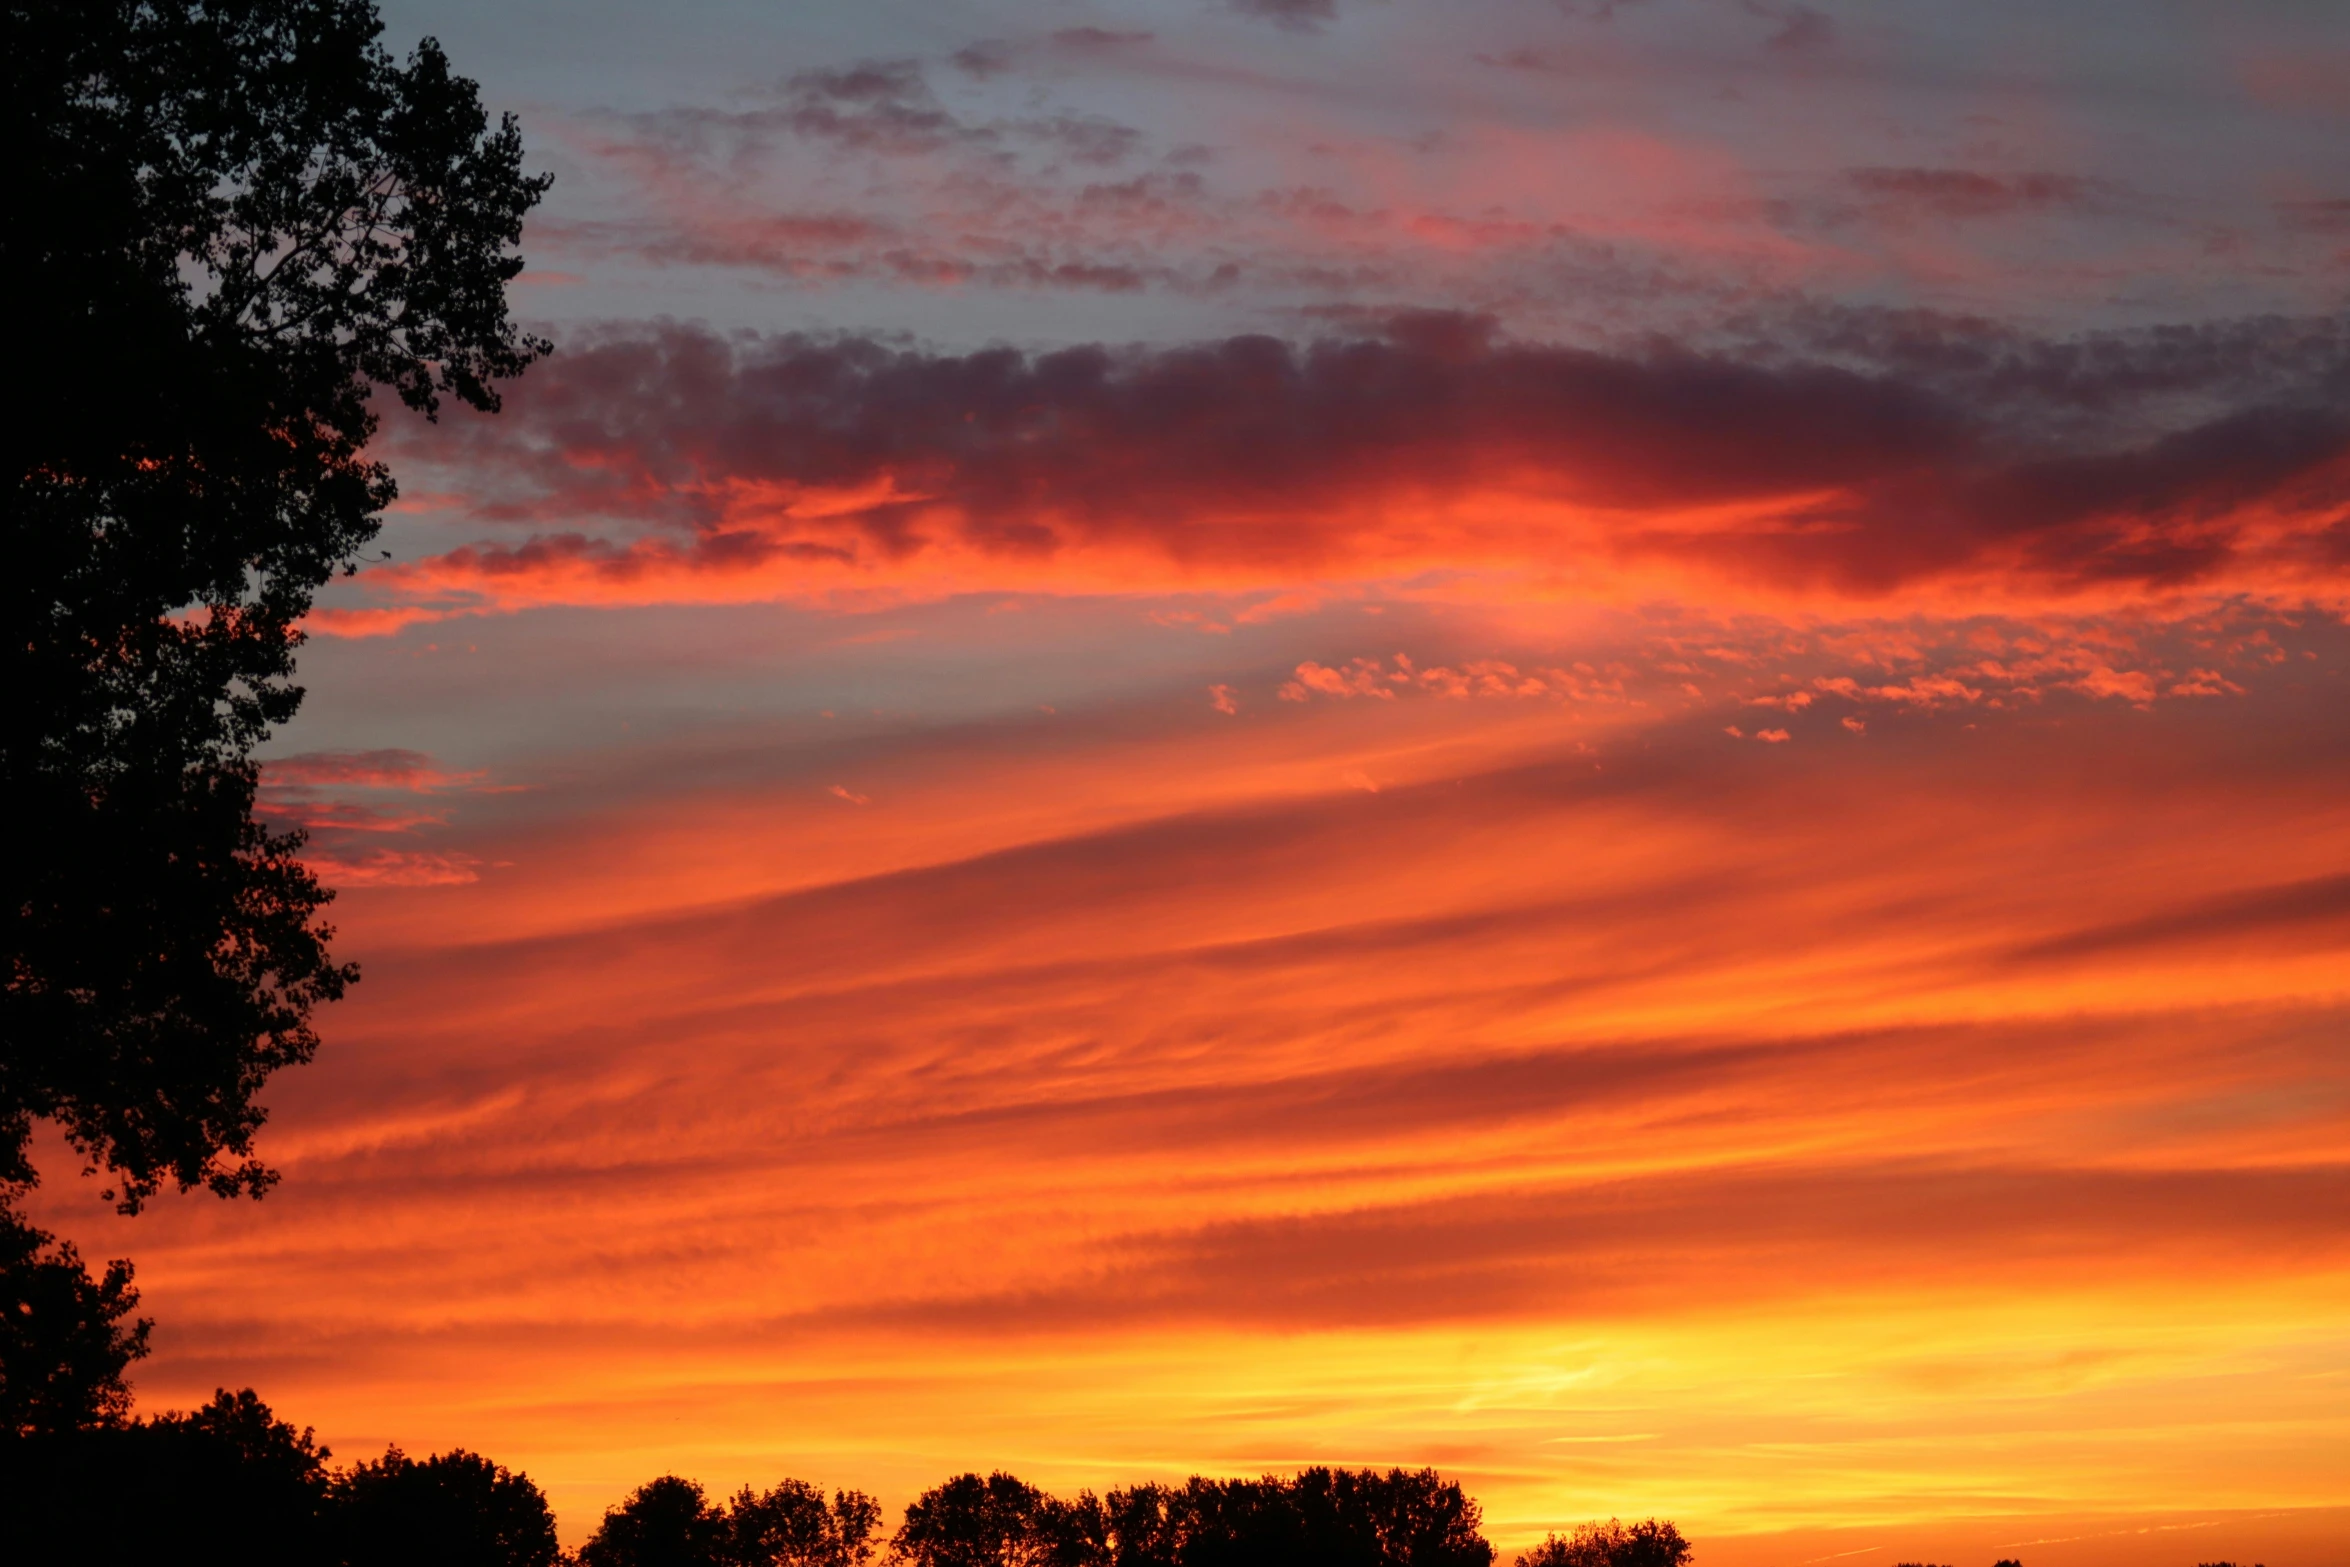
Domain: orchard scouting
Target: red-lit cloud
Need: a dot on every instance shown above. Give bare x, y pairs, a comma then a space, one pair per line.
311, 791
746, 467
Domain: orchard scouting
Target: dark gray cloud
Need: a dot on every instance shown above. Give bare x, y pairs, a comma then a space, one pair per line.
1300, 15
1968, 193
1928, 451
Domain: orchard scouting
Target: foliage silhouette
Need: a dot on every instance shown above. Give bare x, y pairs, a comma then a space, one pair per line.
791, 1525
455, 1509
64, 1340
1648, 1543
1349, 1518
230, 220
1343, 1518
667, 1522
1000, 1521
227, 1483
671, 1522
231, 1483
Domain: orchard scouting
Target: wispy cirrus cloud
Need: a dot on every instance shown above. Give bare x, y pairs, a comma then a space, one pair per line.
348, 802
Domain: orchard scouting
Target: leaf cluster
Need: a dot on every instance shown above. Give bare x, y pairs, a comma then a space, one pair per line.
1648, 1543
1325, 1517
671, 1522
1345, 1517
230, 221
230, 1482
65, 1337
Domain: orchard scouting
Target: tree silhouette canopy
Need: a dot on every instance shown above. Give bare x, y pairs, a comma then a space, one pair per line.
1318, 1518
671, 1522
64, 1343
1330, 1517
1648, 1543
454, 1509
791, 1525
667, 1522
229, 1482
1346, 1517
1001, 1521
232, 1483
230, 220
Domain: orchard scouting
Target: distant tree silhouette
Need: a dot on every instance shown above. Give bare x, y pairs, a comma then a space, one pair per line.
1000, 1521
1346, 1518
791, 1525
1648, 1543
667, 1522
1321, 1517
65, 1338
455, 1509
230, 1483
233, 1485
1401, 1517
227, 1483
228, 221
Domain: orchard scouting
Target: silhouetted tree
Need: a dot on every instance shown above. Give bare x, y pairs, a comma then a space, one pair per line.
454, 1509
227, 1483
1212, 1523
1317, 1518
1347, 1518
232, 1484
791, 1525
667, 1522
64, 1338
1404, 1517
228, 221
1648, 1543
1000, 1521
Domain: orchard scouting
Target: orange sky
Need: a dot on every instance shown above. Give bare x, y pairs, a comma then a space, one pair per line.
1895, 1124
1605, 749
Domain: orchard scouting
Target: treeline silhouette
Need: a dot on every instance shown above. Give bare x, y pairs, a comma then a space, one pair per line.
231, 1482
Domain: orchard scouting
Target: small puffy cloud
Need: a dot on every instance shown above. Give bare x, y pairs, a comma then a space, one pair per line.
2205, 682
1363, 677
2131, 685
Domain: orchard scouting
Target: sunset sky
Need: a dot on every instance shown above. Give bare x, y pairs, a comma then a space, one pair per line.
1605, 742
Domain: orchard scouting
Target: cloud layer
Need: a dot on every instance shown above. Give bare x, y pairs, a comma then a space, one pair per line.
1644, 1070
1600, 743
2021, 471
